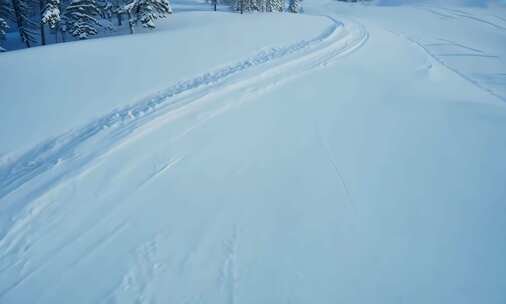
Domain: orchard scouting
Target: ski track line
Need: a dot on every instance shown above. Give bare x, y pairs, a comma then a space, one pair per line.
229, 276
467, 15
16, 171
328, 153
57, 152
456, 44
56, 252
456, 71
466, 55
437, 58
441, 15
462, 14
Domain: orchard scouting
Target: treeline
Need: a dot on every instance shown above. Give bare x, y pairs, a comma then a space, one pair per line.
78, 18
36, 19
294, 6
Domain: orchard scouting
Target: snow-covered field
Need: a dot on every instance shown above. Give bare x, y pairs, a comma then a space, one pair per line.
353, 154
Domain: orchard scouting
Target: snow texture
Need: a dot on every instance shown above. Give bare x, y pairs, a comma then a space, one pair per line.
356, 159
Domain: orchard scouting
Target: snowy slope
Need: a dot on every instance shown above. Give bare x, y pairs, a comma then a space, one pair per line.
135, 67
351, 160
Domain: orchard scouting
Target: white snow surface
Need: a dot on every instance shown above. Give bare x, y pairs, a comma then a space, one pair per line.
353, 154
91, 78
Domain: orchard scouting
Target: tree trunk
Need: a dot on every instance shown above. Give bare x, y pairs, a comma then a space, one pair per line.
120, 19
42, 33
130, 23
215, 4
19, 22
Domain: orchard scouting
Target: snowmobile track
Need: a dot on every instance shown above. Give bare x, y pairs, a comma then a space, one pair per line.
15, 171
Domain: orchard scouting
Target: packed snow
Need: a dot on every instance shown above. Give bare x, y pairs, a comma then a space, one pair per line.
354, 153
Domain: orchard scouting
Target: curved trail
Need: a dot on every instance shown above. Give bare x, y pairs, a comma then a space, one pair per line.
275, 179
54, 161
285, 62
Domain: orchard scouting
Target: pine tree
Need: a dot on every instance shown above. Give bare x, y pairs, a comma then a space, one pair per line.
238, 6
42, 6
261, 5
247, 6
117, 9
6, 13
80, 20
26, 27
295, 6
275, 5
146, 12
51, 14
253, 5
106, 8
3, 29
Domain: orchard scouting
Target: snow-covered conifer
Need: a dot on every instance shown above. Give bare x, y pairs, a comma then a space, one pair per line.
106, 8
275, 5
42, 7
237, 5
26, 27
6, 13
247, 5
146, 12
3, 29
80, 18
295, 6
253, 5
51, 14
261, 5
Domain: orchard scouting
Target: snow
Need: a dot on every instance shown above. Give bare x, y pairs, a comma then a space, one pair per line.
356, 159
135, 70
